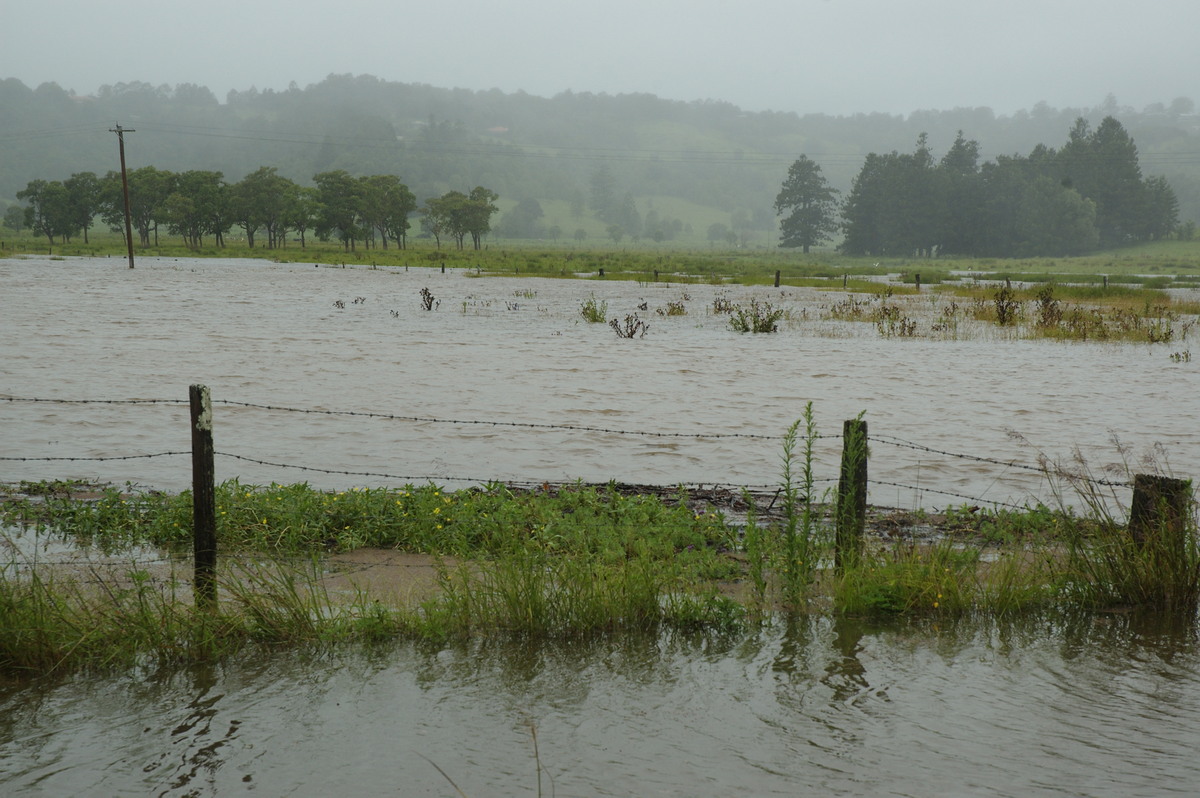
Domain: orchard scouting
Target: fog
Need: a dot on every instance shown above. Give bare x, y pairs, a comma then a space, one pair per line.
807, 56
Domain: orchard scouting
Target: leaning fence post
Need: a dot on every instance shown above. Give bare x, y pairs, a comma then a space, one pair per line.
1159, 512
204, 505
851, 514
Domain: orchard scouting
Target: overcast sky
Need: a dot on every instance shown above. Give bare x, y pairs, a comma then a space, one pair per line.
830, 56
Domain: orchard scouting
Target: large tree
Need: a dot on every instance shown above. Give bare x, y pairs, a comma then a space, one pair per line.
810, 204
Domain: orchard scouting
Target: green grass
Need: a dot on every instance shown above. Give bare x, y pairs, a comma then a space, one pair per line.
1156, 265
554, 562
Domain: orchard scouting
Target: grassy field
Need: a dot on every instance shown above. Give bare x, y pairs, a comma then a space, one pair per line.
1157, 265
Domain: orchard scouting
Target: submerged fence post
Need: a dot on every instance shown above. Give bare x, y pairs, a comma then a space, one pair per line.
851, 513
1158, 514
204, 504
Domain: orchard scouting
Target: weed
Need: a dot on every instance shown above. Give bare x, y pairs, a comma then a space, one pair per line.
673, 308
722, 304
593, 311
632, 327
1006, 304
428, 301
759, 317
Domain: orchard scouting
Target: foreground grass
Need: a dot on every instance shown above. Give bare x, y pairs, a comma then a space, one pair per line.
548, 563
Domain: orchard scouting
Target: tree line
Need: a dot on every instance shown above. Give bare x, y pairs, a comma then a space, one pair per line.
1088, 194
373, 210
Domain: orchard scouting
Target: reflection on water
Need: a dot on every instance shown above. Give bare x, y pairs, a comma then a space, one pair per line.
1087, 705
271, 334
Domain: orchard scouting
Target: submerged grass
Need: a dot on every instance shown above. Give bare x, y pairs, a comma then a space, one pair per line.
555, 562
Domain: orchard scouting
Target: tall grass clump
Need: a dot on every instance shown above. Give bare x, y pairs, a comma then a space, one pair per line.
594, 311
1150, 558
758, 317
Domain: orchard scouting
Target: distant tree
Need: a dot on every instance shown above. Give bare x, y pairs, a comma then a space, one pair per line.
198, 206
14, 218
259, 200
604, 194
959, 191
1162, 208
810, 204
48, 211
83, 189
477, 214
580, 235
436, 216
300, 213
522, 220
339, 198
386, 206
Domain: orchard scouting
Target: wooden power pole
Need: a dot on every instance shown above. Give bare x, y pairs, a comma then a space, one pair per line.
120, 131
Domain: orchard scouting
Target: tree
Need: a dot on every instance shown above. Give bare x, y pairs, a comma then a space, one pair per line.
83, 189
478, 212
959, 190
810, 205
258, 200
198, 206
49, 210
339, 198
14, 218
386, 205
522, 220
435, 217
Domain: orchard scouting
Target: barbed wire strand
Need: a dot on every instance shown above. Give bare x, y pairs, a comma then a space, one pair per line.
883, 439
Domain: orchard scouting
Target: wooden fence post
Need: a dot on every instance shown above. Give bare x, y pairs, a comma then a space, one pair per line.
1159, 513
777, 278
204, 504
851, 513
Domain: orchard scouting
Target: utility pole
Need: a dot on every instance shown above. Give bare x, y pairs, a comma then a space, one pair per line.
125, 187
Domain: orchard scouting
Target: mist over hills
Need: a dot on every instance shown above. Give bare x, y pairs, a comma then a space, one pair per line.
698, 162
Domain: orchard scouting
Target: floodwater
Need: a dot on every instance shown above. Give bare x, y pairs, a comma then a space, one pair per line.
513, 359
1104, 706
1099, 705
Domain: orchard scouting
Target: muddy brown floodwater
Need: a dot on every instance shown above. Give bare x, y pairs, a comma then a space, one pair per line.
512, 359
1100, 705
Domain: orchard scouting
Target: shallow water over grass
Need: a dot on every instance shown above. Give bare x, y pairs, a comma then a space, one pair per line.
506, 353
1104, 705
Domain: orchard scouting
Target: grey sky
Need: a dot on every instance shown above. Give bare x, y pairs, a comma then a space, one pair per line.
831, 56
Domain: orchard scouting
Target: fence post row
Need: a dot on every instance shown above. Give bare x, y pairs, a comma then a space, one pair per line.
851, 513
1159, 512
204, 505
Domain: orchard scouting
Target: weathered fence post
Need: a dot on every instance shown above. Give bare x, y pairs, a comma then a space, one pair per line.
204, 504
851, 513
1158, 514
777, 278
918, 281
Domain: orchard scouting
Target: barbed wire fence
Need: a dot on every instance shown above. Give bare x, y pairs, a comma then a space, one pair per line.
884, 440
159, 569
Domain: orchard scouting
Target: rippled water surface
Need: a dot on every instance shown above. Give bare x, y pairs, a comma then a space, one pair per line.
1103, 707
516, 351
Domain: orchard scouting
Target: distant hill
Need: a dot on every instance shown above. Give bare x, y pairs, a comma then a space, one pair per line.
685, 166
